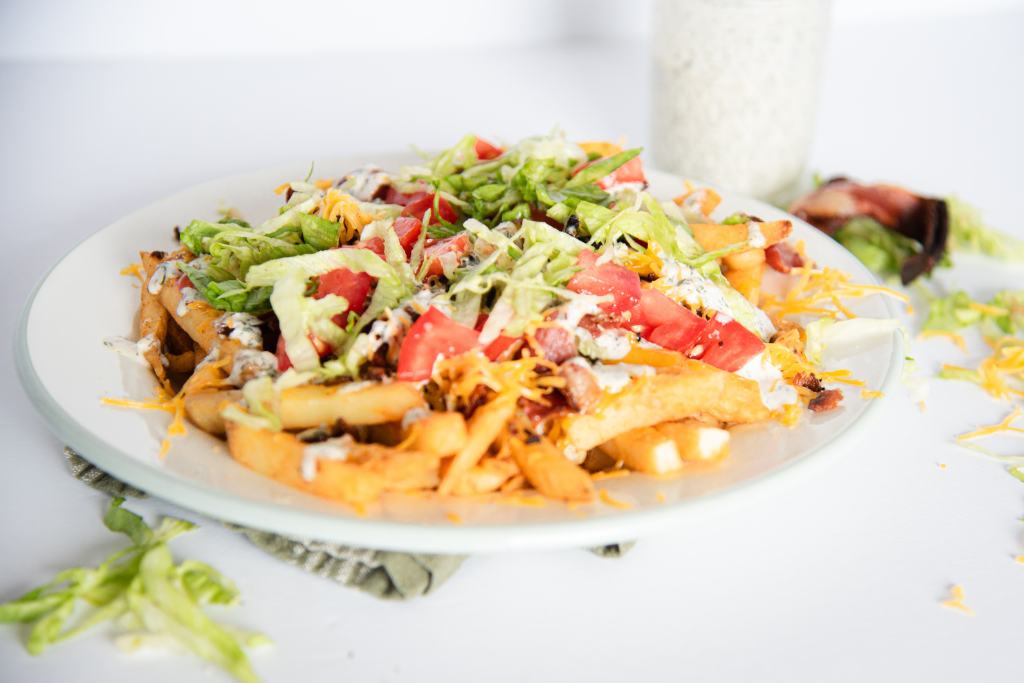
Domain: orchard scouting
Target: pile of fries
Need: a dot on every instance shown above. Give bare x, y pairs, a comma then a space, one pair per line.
478, 422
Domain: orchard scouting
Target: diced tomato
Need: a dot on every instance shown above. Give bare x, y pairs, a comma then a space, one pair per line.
374, 244
726, 344
607, 278
408, 230
783, 258
501, 347
433, 335
630, 172
184, 282
284, 362
486, 151
435, 249
354, 287
421, 202
393, 196
668, 324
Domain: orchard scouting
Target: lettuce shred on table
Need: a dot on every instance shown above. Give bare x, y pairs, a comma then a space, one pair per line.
142, 589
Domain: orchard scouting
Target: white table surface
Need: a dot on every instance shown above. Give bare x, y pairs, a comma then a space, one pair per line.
838, 579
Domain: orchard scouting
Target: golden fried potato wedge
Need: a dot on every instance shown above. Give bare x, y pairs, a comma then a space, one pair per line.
313, 405
715, 236
689, 389
204, 408
441, 433
667, 447
367, 470
197, 318
484, 426
488, 475
152, 317
550, 472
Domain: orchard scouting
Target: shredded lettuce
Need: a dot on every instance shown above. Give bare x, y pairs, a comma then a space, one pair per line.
299, 315
968, 233
882, 250
142, 586
228, 295
1002, 314
233, 250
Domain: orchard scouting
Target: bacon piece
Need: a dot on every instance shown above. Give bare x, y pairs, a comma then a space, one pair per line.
783, 257
808, 381
556, 343
826, 401
581, 389
923, 219
538, 414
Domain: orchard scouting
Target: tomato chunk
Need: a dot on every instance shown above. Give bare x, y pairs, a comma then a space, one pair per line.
485, 151
606, 279
435, 249
184, 282
421, 202
284, 362
408, 230
433, 335
354, 287
726, 344
669, 324
630, 172
393, 196
374, 244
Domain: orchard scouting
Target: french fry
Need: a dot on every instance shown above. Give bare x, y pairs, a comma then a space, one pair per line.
715, 236
551, 473
152, 317
204, 408
696, 441
441, 433
366, 472
181, 363
747, 275
686, 390
178, 340
313, 405
487, 422
198, 319
490, 474
667, 447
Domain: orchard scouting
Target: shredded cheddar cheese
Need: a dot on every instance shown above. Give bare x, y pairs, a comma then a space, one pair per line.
871, 394
133, 270
282, 188
454, 517
175, 405
608, 499
344, 209
703, 197
820, 292
1001, 374
955, 601
601, 148
324, 183
1019, 559
1005, 425
659, 497
523, 377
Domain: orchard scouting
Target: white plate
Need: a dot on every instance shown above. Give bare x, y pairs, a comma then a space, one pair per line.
66, 370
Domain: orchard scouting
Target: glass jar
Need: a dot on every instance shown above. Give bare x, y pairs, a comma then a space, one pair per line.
735, 90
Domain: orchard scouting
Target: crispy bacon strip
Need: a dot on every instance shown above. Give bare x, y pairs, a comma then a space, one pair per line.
827, 400
922, 219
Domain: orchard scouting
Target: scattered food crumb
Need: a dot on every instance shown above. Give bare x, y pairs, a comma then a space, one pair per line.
607, 499
956, 600
1019, 559
943, 465
660, 497
609, 474
454, 518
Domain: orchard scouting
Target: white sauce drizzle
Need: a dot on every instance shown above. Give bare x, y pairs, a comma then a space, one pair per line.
188, 296
332, 449
615, 377
242, 327
775, 393
133, 350
161, 274
250, 364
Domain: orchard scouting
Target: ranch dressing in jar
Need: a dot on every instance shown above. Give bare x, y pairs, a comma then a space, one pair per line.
735, 90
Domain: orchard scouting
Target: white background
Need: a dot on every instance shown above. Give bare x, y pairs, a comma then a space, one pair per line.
109, 106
